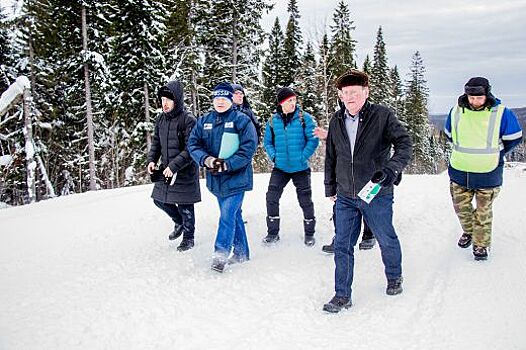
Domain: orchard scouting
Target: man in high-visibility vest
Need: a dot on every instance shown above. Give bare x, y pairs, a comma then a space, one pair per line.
482, 131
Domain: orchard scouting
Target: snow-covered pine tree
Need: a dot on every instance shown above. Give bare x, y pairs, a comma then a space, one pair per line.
417, 118
367, 68
379, 84
396, 91
325, 79
273, 70
342, 47
6, 61
308, 84
183, 53
292, 44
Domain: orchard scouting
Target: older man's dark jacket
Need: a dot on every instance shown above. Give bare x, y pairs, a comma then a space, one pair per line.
378, 130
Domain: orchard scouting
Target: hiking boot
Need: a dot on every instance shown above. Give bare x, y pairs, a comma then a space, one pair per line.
480, 253
178, 229
186, 244
464, 241
329, 248
337, 304
310, 241
218, 264
271, 239
394, 286
234, 259
367, 244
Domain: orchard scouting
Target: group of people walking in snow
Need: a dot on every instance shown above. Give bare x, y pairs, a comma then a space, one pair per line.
365, 144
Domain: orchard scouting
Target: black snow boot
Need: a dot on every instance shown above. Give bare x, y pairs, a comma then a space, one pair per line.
336, 304
480, 253
367, 244
178, 229
186, 244
329, 248
270, 239
309, 229
394, 286
218, 264
464, 241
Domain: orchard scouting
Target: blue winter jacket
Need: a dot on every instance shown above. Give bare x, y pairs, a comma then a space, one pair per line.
290, 147
510, 135
205, 141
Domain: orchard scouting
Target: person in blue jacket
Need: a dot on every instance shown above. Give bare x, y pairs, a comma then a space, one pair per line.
290, 142
224, 141
482, 131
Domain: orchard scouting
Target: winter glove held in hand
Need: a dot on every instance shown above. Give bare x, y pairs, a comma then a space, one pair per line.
209, 162
384, 177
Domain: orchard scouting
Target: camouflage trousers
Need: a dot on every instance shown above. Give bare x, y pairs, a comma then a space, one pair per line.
474, 221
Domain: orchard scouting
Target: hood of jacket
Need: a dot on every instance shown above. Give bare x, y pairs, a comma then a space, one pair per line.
176, 88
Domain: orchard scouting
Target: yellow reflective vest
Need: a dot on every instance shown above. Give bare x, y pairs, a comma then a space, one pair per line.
475, 136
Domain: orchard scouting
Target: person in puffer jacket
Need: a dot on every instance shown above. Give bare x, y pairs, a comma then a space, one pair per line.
223, 142
289, 143
177, 179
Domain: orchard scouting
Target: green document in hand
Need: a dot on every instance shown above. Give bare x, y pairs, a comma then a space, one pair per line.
229, 145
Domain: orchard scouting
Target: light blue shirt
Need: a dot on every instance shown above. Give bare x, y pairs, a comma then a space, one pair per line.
351, 125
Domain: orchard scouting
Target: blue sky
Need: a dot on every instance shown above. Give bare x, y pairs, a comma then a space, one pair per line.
457, 40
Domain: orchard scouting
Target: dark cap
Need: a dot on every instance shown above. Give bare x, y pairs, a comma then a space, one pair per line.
284, 94
352, 77
477, 86
166, 92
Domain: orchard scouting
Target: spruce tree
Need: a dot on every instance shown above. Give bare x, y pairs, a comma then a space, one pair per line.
308, 83
325, 79
292, 44
273, 70
396, 92
417, 117
379, 90
342, 47
5, 53
367, 68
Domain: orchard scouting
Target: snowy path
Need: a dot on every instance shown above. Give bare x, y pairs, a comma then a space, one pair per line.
96, 271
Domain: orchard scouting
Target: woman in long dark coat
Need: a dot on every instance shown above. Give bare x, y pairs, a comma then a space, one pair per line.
177, 179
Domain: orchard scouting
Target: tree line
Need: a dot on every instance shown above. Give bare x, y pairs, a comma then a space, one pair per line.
95, 66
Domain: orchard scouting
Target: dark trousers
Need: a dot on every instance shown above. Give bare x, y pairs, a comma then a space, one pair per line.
181, 214
278, 180
367, 233
379, 215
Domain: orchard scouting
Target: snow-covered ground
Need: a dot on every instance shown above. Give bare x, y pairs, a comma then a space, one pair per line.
96, 271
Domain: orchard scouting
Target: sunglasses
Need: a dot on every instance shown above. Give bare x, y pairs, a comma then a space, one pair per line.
475, 90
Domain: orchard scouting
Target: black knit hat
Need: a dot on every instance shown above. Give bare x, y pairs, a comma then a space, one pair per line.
165, 92
352, 77
477, 86
284, 94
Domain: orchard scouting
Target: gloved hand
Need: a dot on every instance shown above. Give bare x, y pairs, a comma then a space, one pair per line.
209, 162
220, 165
384, 177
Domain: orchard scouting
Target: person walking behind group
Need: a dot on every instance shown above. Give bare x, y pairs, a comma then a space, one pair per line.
289, 142
176, 186
224, 141
482, 131
241, 104
358, 150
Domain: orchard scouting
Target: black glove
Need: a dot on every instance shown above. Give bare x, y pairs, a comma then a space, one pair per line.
157, 176
398, 179
384, 177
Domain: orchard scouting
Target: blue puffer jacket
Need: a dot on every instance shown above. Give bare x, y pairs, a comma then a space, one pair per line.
292, 146
510, 135
205, 141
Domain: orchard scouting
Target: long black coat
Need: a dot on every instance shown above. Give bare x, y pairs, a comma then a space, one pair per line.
378, 130
169, 142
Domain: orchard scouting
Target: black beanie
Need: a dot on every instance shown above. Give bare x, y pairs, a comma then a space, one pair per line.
352, 77
166, 92
477, 86
284, 94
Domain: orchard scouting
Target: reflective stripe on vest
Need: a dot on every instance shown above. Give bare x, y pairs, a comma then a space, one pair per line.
475, 136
